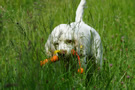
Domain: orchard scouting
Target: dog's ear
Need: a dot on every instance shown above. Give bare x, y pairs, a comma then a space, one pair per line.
49, 47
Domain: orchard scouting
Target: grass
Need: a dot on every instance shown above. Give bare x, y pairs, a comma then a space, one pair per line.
24, 29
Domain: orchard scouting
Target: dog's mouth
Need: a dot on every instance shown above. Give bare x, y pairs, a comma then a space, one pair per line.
63, 54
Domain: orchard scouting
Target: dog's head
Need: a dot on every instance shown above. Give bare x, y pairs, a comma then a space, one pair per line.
62, 38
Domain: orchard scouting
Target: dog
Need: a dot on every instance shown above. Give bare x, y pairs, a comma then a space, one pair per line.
77, 35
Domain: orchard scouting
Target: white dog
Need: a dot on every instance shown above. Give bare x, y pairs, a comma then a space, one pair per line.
77, 35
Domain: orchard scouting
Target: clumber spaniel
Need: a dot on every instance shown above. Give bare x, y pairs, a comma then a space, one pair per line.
78, 36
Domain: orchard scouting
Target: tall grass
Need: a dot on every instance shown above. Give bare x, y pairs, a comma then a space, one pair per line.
24, 29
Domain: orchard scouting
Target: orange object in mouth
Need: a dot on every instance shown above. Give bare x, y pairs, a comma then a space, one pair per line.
80, 70
41, 63
55, 58
74, 52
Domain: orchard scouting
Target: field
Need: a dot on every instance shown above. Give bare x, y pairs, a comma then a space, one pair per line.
26, 24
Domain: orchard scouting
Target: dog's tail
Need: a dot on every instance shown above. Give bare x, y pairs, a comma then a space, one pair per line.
79, 11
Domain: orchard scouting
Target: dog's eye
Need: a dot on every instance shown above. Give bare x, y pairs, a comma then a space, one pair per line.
56, 44
69, 41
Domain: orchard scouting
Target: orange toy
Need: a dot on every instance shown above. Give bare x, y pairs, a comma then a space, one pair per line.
55, 58
74, 52
41, 63
80, 70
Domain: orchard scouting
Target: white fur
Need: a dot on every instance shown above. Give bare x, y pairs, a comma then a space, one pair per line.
77, 35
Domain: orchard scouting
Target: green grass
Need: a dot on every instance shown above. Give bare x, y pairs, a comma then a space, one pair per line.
24, 29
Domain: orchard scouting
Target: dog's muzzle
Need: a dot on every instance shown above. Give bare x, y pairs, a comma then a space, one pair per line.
63, 52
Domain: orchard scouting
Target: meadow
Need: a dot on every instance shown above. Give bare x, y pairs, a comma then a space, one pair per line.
26, 24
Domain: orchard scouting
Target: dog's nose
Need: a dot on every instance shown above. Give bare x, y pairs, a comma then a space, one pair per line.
63, 51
